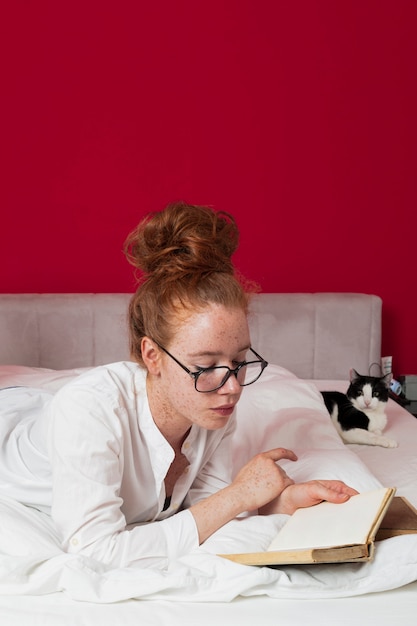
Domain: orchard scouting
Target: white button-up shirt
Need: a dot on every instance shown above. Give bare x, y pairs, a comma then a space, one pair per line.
109, 462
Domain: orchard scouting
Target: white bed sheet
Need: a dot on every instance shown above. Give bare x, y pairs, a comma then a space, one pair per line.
378, 609
279, 410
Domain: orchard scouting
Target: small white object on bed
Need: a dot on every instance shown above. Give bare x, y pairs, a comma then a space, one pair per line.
311, 340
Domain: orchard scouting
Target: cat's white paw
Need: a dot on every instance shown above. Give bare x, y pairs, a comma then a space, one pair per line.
366, 437
386, 443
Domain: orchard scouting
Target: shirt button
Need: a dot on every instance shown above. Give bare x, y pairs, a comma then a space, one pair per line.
186, 470
74, 541
186, 445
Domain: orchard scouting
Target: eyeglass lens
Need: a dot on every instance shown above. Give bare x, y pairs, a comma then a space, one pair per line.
214, 378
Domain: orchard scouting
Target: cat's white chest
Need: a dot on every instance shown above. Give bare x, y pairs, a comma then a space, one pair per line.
377, 418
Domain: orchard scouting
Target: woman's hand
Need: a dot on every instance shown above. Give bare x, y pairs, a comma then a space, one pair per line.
261, 479
258, 482
302, 495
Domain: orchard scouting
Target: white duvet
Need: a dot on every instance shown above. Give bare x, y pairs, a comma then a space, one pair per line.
279, 410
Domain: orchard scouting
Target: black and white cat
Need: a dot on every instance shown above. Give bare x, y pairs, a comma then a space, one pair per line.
359, 414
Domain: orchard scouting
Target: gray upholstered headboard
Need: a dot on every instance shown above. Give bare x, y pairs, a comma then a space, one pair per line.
315, 335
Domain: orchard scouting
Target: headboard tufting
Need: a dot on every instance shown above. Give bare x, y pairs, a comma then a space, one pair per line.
315, 335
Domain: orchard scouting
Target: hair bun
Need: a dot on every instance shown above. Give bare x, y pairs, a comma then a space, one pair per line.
183, 239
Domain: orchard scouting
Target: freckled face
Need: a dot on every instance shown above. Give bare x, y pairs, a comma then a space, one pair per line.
214, 336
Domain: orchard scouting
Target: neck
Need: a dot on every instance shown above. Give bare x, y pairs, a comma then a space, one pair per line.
174, 428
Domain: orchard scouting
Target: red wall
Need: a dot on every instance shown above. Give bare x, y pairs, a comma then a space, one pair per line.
298, 117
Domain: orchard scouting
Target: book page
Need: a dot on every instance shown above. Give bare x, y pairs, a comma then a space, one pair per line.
328, 524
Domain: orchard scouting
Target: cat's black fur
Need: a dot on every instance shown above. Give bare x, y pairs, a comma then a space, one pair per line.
359, 414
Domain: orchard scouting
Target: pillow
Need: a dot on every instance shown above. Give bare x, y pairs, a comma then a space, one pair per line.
281, 410
37, 377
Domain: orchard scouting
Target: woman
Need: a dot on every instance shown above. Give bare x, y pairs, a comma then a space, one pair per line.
138, 451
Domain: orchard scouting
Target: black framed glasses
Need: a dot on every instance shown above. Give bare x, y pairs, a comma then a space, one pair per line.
208, 379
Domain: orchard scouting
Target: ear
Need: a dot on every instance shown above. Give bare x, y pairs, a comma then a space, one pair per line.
353, 375
151, 355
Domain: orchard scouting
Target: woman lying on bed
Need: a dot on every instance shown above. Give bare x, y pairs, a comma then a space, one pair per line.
133, 458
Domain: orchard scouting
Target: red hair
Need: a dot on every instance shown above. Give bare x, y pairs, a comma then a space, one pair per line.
184, 256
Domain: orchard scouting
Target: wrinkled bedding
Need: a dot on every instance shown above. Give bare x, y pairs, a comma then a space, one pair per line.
279, 410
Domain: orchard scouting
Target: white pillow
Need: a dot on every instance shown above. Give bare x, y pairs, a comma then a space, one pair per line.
37, 377
281, 410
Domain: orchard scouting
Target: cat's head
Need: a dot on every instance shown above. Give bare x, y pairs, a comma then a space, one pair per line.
368, 392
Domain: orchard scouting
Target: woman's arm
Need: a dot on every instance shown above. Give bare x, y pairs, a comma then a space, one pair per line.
90, 493
258, 482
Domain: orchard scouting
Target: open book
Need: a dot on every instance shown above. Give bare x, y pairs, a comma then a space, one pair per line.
327, 532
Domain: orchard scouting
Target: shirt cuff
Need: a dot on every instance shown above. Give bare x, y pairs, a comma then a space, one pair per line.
181, 534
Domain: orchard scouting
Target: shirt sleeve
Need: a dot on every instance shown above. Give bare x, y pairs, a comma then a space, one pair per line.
87, 470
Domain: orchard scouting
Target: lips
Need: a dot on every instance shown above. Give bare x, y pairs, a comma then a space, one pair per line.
225, 410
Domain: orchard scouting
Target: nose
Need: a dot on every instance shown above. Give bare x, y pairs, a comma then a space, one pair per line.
231, 386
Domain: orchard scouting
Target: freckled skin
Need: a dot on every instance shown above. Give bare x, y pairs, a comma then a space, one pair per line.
175, 404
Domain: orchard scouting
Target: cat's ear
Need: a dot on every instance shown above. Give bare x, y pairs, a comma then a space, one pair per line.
353, 375
387, 379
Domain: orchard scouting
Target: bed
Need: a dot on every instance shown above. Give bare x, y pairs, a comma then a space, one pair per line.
311, 341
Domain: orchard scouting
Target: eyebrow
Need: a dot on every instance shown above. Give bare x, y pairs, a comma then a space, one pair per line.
194, 355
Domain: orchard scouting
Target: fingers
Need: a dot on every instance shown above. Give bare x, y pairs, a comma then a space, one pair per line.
302, 495
262, 479
276, 454
332, 490
337, 486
